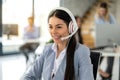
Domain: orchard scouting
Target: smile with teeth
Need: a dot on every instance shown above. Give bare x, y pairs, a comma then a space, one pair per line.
56, 37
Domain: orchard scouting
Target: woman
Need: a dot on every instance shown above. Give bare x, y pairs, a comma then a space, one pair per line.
65, 59
79, 23
103, 16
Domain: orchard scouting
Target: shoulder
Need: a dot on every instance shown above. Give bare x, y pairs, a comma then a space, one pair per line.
46, 50
48, 47
81, 48
112, 19
111, 16
82, 51
82, 56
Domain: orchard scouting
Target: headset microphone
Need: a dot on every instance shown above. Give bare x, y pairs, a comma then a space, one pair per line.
72, 25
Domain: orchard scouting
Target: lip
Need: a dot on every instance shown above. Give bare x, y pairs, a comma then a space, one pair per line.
56, 37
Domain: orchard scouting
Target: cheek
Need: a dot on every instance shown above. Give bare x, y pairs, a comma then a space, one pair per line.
65, 32
102, 12
50, 32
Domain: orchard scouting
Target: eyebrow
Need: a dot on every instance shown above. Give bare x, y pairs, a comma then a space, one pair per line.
58, 24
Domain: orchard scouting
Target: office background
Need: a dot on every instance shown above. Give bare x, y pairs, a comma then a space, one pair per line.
40, 9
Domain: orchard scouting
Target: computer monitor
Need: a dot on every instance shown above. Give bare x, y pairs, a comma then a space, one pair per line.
10, 29
107, 34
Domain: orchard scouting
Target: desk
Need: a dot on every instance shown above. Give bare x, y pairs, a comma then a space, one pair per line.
111, 52
12, 46
107, 52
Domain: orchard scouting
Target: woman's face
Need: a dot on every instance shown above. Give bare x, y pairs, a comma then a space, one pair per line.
102, 11
57, 29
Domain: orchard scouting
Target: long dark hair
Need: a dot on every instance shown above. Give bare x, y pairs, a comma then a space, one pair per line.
69, 72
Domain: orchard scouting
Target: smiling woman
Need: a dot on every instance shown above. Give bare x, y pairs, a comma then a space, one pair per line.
65, 59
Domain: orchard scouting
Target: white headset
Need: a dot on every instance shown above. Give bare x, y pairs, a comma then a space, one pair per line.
72, 25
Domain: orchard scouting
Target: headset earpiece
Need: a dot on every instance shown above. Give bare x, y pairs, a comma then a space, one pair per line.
71, 27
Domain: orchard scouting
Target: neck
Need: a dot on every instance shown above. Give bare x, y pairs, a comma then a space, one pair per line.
61, 46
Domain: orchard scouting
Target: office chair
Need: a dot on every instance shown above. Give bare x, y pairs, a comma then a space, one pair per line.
95, 58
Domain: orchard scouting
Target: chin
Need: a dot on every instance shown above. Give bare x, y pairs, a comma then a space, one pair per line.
57, 41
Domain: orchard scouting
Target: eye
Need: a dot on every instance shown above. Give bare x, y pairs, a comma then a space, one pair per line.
50, 27
59, 26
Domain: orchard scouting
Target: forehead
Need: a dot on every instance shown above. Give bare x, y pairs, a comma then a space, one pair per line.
102, 9
55, 20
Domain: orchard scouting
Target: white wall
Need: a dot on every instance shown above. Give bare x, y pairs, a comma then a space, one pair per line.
77, 7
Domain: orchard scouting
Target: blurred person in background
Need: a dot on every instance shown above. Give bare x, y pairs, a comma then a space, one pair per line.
30, 32
103, 15
79, 33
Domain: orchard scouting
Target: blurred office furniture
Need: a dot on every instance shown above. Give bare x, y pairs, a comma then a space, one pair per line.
0, 48
12, 46
11, 42
95, 58
110, 51
10, 30
106, 34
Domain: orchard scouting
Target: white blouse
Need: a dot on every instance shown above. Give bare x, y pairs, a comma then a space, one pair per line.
58, 59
